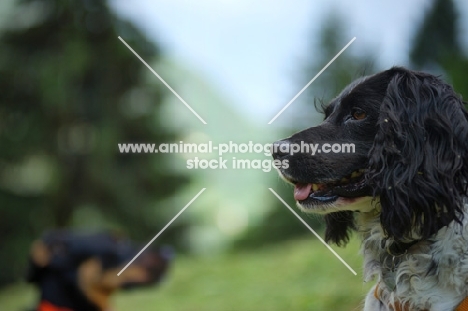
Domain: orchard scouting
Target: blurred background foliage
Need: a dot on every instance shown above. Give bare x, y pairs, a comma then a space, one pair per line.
70, 91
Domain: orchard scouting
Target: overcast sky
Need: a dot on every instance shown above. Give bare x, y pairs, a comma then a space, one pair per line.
252, 50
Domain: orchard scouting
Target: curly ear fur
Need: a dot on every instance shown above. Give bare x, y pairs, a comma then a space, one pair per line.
338, 227
418, 165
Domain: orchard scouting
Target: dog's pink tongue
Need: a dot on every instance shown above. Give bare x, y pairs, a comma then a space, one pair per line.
301, 191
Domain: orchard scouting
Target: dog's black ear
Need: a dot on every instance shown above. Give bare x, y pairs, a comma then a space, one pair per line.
419, 160
338, 227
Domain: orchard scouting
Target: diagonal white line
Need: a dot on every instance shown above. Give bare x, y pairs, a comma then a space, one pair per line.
312, 230
313, 79
160, 232
162, 80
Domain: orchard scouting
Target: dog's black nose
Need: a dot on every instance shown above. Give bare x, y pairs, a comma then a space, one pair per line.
280, 149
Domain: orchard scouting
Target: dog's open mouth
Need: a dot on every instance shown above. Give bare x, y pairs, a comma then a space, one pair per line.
351, 186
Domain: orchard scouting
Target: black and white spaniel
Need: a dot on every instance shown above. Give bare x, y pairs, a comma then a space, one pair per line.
403, 185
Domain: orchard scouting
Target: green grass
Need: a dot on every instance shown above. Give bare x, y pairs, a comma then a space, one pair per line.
296, 275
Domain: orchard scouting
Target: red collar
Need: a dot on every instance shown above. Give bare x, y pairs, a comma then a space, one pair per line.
47, 306
463, 306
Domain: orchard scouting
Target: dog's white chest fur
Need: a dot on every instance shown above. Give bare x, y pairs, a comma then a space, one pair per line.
432, 275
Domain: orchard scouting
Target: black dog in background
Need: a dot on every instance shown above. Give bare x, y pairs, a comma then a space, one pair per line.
78, 272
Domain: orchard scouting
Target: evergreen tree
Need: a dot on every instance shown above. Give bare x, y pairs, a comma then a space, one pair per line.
70, 92
437, 46
437, 37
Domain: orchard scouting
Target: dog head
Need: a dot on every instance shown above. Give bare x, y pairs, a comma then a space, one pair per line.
79, 270
398, 138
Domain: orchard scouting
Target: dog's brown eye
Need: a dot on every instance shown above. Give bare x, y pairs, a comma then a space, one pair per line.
359, 114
